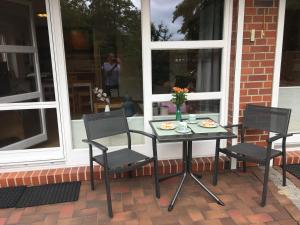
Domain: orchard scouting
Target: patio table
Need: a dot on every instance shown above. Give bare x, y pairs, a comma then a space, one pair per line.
196, 133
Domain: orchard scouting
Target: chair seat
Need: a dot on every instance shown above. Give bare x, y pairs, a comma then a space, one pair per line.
252, 152
121, 158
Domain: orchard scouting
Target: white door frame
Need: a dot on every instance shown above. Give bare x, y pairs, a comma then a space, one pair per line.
292, 142
38, 155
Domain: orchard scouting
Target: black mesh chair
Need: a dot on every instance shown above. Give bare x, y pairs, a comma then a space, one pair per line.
269, 119
107, 124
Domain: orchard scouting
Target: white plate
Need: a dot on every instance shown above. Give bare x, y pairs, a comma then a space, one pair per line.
211, 126
168, 128
183, 131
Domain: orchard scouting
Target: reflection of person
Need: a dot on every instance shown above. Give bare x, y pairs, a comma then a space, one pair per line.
111, 70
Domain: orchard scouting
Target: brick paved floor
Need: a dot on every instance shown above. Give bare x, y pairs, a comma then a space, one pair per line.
134, 203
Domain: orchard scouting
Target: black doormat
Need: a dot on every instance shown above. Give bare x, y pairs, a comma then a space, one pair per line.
294, 169
49, 194
10, 196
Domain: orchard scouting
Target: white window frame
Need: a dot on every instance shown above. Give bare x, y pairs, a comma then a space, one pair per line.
205, 147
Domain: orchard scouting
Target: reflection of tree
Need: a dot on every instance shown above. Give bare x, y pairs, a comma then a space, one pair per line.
160, 33
114, 25
202, 19
160, 69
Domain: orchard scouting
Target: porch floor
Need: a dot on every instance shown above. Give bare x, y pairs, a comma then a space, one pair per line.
134, 203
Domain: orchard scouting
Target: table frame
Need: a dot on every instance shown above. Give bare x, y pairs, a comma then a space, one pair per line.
187, 141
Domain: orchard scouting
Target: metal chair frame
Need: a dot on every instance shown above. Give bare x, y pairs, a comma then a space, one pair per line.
269, 152
104, 159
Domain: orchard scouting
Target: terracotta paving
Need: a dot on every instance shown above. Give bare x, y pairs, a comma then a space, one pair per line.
134, 203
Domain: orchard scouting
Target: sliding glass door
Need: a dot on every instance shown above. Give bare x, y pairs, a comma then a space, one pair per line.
29, 110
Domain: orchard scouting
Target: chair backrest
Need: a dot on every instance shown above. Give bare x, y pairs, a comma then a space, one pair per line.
105, 124
267, 118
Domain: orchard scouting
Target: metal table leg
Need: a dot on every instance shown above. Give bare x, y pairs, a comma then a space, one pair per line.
219, 201
171, 205
187, 170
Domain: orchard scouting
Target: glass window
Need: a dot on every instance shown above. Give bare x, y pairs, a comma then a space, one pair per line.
21, 72
178, 20
289, 91
14, 23
27, 126
199, 107
198, 70
103, 50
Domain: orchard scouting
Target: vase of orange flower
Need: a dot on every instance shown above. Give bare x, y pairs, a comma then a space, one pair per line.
179, 96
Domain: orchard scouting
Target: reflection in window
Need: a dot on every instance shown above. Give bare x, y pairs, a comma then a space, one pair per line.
290, 67
200, 107
177, 20
198, 70
103, 49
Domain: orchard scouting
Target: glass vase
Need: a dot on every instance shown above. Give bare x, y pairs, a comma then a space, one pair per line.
178, 113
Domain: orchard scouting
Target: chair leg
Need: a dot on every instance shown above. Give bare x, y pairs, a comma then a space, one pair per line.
284, 169
216, 163
265, 185
284, 164
92, 175
157, 188
244, 166
108, 194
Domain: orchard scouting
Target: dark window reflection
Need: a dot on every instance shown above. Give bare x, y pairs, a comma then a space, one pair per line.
290, 67
198, 70
103, 49
177, 20
19, 125
20, 72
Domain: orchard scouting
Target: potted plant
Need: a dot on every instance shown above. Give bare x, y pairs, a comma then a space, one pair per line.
179, 96
102, 96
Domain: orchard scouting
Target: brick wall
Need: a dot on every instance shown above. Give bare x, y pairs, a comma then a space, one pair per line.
258, 58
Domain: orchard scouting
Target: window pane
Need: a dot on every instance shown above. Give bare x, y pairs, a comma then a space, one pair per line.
15, 23
177, 20
103, 49
17, 74
289, 91
26, 125
290, 66
19, 71
203, 108
198, 70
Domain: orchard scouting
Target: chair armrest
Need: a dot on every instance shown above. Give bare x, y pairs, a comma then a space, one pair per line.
278, 136
96, 144
234, 125
143, 133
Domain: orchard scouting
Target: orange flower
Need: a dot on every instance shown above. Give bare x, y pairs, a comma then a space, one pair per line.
186, 90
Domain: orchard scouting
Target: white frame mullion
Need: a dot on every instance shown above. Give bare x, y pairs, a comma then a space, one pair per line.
225, 68
191, 96
174, 45
20, 97
61, 82
28, 105
147, 62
